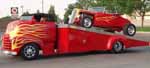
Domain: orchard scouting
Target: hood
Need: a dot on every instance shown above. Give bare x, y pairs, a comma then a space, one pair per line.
13, 24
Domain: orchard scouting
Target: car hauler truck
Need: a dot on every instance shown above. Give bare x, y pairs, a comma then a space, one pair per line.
30, 38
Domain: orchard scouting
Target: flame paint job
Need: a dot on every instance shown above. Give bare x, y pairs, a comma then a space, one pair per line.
22, 32
43, 34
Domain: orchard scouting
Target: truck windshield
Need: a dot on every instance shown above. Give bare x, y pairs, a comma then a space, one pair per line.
26, 18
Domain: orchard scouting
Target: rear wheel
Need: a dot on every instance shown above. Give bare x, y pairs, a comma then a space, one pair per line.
129, 30
117, 47
86, 21
30, 51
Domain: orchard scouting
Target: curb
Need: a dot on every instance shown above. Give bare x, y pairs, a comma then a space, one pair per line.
143, 32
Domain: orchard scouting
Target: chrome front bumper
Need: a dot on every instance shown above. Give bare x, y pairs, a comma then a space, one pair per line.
9, 52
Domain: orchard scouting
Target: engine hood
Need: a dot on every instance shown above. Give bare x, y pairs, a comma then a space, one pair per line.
14, 24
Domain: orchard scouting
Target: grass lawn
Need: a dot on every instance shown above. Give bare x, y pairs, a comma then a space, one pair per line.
144, 29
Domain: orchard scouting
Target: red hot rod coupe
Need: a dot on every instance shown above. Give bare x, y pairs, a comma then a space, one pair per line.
99, 17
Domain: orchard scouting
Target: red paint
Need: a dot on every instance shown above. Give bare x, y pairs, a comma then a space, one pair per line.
69, 39
105, 20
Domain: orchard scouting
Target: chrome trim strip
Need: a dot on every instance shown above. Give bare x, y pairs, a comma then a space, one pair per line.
9, 52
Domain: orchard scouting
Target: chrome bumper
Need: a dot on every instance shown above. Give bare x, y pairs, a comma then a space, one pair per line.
9, 52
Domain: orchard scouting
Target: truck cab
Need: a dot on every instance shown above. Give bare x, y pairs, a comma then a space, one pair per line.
29, 32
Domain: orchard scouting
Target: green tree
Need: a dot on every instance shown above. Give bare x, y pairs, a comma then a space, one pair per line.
26, 13
119, 6
38, 11
127, 7
85, 4
52, 12
68, 11
141, 8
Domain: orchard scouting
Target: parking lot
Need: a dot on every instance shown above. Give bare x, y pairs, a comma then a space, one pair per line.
132, 58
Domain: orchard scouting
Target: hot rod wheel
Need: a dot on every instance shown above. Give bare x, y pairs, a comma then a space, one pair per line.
129, 30
86, 21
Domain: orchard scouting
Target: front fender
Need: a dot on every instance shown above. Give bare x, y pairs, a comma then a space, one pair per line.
19, 42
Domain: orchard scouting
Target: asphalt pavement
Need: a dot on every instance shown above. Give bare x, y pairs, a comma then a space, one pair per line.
138, 57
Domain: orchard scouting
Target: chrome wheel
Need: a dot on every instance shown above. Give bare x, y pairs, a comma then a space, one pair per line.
131, 30
29, 51
87, 22
118, 47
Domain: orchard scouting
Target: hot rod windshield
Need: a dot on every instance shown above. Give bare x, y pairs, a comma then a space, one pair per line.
97, 9
74, 14
102, 9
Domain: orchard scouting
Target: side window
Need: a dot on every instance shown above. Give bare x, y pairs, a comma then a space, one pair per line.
37, 18
50, 18
44, 17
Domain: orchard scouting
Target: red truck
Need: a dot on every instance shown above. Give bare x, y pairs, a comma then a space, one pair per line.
100, 17
29, 38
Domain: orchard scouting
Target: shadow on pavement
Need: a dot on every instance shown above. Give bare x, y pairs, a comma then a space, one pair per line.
128, 51
101, 54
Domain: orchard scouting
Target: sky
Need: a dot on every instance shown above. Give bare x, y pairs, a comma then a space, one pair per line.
33, 5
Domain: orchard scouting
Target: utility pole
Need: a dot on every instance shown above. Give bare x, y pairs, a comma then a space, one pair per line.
42, 6
22, 8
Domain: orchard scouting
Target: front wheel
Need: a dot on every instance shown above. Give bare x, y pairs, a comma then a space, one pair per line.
30, 51
129, 30
86, 21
